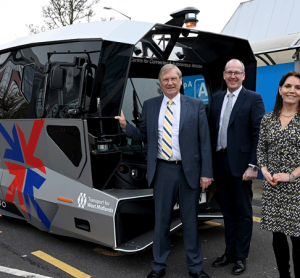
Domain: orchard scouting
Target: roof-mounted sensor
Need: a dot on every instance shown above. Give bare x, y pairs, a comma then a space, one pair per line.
187, 16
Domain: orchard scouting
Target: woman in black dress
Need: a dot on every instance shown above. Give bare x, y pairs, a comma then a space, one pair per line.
278, 155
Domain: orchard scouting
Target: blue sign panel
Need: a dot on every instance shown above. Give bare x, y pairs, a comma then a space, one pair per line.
194, 86
267, 82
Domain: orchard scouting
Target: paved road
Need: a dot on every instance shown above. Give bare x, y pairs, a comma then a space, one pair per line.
29, 250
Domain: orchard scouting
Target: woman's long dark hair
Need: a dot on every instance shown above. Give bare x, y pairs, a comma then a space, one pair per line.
279, 102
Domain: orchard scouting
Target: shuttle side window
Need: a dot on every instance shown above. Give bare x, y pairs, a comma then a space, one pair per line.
137, 91
59, 100
27, 81
67, 138
13, 104
115, 59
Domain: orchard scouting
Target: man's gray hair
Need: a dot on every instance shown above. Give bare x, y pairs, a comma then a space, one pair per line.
236, 61
168, 67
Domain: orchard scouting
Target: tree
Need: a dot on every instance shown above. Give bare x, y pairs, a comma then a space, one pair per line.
64, 12
35, 29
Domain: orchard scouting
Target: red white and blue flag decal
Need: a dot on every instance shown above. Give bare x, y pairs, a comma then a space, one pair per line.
25, 178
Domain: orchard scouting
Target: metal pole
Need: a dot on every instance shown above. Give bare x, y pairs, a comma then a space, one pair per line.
109, 8
297, 60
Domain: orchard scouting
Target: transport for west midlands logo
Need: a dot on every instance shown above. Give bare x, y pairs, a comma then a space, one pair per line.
81, 200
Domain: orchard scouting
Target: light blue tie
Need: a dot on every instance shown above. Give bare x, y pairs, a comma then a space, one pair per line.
226, 116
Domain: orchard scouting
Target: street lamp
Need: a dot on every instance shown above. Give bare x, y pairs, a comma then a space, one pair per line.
109, 8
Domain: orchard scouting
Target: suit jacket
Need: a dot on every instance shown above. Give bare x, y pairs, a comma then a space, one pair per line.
194, 138
243, 128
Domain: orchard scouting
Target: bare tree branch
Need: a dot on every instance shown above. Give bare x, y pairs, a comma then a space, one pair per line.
65, 12
35, 29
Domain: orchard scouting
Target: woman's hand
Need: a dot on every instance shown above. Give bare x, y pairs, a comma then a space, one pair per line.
268, 177
281, 177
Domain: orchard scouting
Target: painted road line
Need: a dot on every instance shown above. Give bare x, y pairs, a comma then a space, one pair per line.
208, 225
20, 273
256, 219
205, 225
59, 264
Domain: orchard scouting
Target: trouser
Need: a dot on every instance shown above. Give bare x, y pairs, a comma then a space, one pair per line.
236, 205
170, 182
282, 254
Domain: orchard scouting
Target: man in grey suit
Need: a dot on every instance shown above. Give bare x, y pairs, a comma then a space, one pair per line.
235, 116
179, 163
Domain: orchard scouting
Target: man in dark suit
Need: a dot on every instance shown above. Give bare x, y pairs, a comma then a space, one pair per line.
178, 164
234, 121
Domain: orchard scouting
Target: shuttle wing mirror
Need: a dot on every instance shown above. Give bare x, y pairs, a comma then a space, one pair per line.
58, 74
57, 78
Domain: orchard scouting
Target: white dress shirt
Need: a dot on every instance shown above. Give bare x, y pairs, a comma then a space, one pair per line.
176, 155
234, 98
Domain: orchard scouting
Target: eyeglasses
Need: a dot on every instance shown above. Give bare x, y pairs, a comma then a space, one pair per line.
173, 80
235, 73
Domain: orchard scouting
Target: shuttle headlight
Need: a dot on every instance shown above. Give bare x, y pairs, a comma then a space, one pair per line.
137, 174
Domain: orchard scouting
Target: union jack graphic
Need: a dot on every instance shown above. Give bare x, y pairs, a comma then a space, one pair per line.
25, 178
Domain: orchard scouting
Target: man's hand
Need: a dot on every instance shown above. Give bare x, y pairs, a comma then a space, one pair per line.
250, 174
205, 182
122, 120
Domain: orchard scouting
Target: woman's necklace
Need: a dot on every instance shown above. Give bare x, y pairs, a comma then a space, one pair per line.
288, 116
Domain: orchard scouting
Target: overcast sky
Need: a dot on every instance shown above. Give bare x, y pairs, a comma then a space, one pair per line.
213, 16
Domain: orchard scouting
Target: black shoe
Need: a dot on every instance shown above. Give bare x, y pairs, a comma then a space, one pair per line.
156, 274
223, 261
200, 274
239, 267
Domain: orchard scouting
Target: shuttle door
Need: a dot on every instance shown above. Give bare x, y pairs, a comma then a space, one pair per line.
66, 146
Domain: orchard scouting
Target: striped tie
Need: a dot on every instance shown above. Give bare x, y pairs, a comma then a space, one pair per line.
166, 150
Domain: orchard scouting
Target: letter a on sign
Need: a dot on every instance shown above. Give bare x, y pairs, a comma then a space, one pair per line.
194, 86
202, 90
